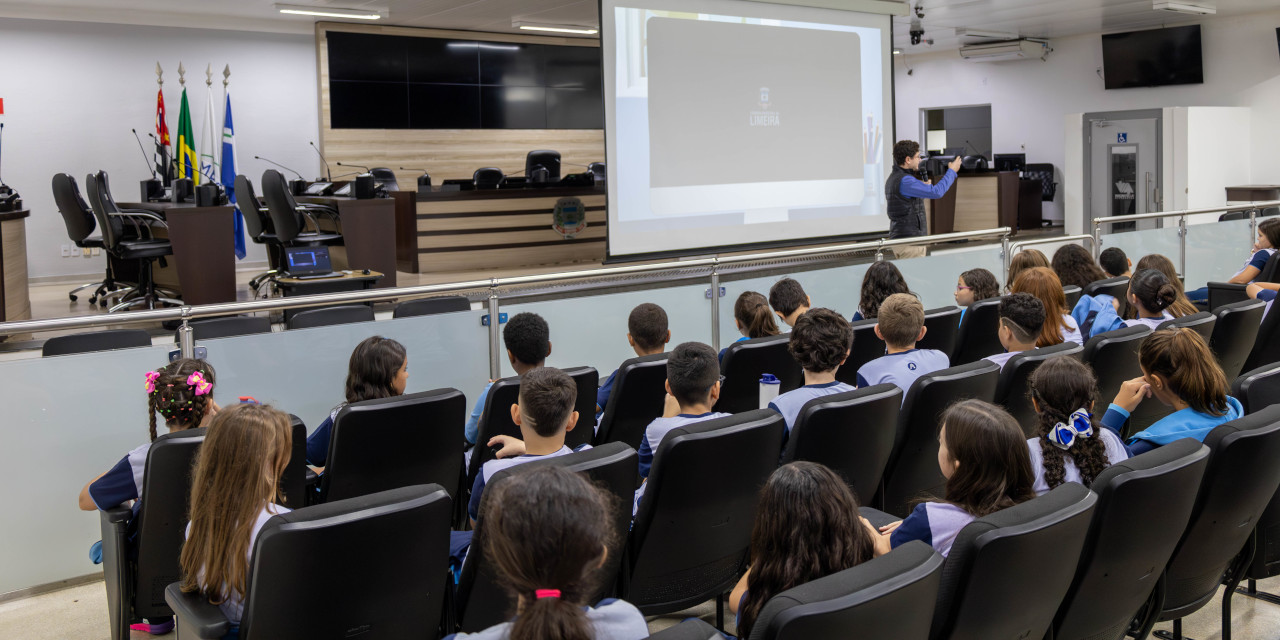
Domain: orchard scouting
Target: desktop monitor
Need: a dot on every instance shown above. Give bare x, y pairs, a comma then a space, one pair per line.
1010, 161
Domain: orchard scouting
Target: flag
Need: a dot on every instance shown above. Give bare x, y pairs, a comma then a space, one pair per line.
185, 149
229, 175
163, 167
209, 146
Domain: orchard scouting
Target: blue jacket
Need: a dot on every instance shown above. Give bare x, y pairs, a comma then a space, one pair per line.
1096, 314
1187, 423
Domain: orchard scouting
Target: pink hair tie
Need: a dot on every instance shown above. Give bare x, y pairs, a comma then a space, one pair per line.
151, 376
547, 593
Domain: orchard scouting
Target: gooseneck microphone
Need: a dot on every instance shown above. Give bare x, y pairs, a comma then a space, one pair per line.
279, 165
145, 160
327, 172
366, 169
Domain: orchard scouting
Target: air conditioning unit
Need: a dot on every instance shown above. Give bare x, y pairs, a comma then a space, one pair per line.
1195, 9
1022, 49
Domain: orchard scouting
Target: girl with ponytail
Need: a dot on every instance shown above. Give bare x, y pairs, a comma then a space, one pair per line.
1067, 447
1151, 294
1179, 370
548, 533
753, 316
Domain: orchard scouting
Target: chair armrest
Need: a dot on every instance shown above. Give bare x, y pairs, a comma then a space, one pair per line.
311, 488
1224, 293
195, 614
1227, 286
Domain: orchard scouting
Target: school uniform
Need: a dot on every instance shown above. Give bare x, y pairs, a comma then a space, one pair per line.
123, 482
1070, 330
1258, 260
1115, 452
318, 441
902, 368
726, 349
233, 604
492, 467
602, 396
1146, 322
935, 523
790, 403
1187, 423
653, 435
472, 428
610, 618
1003, 358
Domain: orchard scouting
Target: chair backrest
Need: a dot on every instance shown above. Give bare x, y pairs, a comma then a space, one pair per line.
1143, 506
979, 332
692, 530
743, 364
689, 629
1234, 334
482, 601
330, 316
95, 341
866, 347
1201, 322
851, 433
1015, 378
293, 482
284, 216
1073, 294
103, 207
1117, 287
395, 442
1266, 346
1044, 172
227, 327
431, 306
1007, 572
250, 208
1240, 480
385, 176
1233, 215
943, 326
76, 214
887, 597
162, 517
1271, 270
388, 580
913, 465
1113, 355
1258, 389
637, 398
487, 178
549, 160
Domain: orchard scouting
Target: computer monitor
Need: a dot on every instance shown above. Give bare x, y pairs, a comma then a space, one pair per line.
1010, 161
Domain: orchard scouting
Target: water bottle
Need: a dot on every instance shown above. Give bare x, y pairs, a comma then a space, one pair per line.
769, 387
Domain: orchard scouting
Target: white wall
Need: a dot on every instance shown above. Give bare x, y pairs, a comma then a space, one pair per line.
72, 91
1030, 100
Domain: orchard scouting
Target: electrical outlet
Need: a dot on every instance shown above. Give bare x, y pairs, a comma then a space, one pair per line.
84, 252
66, 251
97, 251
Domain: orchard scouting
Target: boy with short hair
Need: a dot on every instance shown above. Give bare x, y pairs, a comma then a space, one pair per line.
820, 342
1115, 262
1021, 318
648, 335
900, 323
789, 301
528, 341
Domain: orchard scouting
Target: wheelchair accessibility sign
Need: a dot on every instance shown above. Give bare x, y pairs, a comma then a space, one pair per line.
1122, 138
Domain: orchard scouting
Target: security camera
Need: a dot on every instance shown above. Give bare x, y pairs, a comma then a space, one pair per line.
916, 36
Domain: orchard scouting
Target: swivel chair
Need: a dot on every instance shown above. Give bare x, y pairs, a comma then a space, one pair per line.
290, 219
385, 177
78, 218
143, 251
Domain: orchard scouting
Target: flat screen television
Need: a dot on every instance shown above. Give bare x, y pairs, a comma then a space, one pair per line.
1153, 58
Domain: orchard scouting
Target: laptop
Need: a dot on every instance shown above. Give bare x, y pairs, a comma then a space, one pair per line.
309, 263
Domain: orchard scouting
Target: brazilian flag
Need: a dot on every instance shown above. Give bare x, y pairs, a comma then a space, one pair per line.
188, 164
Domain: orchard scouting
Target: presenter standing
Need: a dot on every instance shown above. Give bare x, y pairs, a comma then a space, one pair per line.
906, 193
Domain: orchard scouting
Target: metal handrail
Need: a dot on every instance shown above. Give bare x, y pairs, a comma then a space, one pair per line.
1251, 207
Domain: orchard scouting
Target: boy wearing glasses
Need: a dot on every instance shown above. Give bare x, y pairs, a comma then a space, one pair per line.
905, 194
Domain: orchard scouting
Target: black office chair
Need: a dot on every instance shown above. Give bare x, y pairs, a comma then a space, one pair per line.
144, 250
388, 443
227, 327
692, 528
1233, 215
547, 160
293, 482
1113, 355
1224, 293
1235, 333
1266, 347
294, 224
943, 325
743, 364
431, 306
329, 316
1073, 294
979, 335
1011, 390
104, 340
1258, 389
1007, 572
1216, 548
482, 600
637, 399
866, 347
913, 465
385, 177
487, 178
258, 225
1143, 507
1201, 322
79, 221
851, 433
1117, 287
1043, 172
887, 597
387, 581
137, 570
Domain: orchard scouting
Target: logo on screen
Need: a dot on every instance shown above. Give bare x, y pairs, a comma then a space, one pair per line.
764, 116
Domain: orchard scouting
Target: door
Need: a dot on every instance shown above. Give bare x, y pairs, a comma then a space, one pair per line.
1124, 174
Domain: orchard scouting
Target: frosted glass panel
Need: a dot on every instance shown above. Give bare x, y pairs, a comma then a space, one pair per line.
1216, 251
934, 278
1136, 244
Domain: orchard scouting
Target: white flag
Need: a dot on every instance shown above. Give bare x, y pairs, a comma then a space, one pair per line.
210, 143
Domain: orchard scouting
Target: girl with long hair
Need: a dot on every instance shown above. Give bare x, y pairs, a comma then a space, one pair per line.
548, 533
881, 280
1021, 261
982, 453
234, 490
753, 317
807, 527
379, 368
1059, 326
1151, 294
1075, 266
1067, 447
1179, 370
1180, 307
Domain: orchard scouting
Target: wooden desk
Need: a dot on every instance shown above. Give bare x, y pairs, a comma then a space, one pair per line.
368, 234
977, 201
203, 264
15, 300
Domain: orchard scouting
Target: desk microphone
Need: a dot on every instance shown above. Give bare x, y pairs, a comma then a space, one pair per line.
145, 159
327, 171
366, 169
281, 166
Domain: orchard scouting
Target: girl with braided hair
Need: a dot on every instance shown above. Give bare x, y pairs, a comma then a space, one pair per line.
1067, 447
181, 392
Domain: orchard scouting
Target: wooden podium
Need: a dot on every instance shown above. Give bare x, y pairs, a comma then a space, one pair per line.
15, 300
977, 201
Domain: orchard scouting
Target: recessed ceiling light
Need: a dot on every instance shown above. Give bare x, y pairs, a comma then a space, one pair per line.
330, 12
556, 28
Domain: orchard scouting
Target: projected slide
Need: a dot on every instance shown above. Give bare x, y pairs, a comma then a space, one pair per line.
743, 123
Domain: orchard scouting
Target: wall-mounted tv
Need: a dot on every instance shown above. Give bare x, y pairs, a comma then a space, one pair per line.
1152, 58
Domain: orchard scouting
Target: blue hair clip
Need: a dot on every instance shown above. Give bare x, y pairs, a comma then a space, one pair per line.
1079, 425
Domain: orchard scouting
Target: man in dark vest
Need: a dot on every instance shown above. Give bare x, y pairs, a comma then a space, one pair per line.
905, 193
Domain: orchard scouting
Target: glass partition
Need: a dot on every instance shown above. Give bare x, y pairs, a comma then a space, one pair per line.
1216, 251
1136, 244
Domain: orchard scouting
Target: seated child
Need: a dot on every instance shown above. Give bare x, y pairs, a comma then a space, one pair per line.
234, 490
379, 368
752, 316
1267, 243
1022, 261
1067, 446
1163, 264
789, 301
806, 527
1114, 262
974, 285
1021, 318
548, 535
983, 455
1179, 370
1059, 325
881, 280
1075, 266
528, 341
901, 325
820, 341
1151, 294
647, 333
